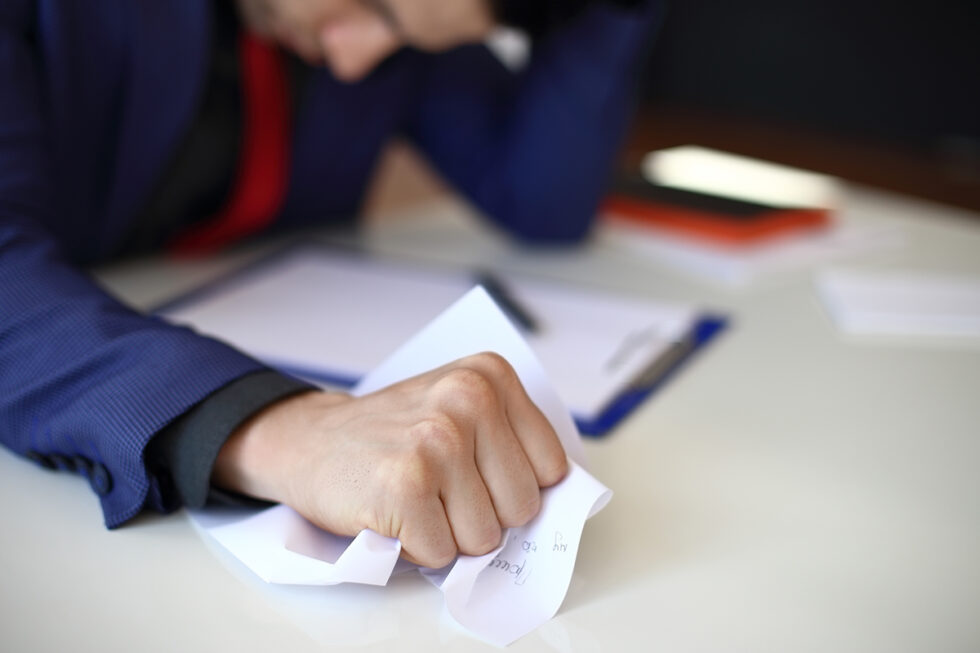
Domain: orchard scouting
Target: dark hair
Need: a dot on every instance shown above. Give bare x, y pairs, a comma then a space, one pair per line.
537, 16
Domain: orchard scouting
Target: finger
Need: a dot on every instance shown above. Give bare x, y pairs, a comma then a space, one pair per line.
506, 472
426, 536
470, 511
537, 438
470, 391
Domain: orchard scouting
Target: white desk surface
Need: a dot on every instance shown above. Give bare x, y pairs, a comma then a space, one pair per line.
791, 490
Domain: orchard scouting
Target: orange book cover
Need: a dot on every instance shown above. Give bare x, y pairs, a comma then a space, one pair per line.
709, 217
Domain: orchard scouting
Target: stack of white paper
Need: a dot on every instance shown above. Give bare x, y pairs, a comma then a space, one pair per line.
499, 596
902, 302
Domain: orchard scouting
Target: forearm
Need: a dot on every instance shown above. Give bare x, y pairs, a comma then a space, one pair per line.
186, 449
82, 376
534, 150
84, 381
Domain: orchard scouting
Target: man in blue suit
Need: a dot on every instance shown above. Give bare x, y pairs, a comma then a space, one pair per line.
127, 126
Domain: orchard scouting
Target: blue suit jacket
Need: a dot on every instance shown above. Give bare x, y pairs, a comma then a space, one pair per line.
96, 96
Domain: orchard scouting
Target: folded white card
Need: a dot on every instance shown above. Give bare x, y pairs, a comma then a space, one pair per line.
499, 596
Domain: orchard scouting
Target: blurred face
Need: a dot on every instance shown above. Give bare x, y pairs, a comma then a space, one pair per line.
353, 36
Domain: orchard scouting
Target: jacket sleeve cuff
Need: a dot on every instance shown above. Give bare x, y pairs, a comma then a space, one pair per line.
185, 451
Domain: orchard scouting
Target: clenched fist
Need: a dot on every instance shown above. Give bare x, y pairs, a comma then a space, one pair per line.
442, 461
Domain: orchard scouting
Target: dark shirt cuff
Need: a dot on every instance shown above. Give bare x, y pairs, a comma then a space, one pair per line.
188, 447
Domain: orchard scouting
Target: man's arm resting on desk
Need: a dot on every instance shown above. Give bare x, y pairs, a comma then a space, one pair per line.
85, 382
534, 149
184, 452
442, 461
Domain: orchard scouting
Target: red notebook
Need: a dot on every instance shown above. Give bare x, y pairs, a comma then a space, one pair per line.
708, 217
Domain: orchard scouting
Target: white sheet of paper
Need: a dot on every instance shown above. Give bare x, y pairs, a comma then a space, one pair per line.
282, 547
508, 593
901, 302
499, 596
343, 314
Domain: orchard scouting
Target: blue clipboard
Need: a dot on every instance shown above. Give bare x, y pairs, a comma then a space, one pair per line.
703, 331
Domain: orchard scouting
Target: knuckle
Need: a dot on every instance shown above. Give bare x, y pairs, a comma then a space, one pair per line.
439, 438
438, 556
493, 363
440, 560
410, 480
467, 389
495, 366
552, 470
483, 542
522, 511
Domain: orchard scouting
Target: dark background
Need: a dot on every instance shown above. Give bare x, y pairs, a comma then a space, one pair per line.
882, 93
